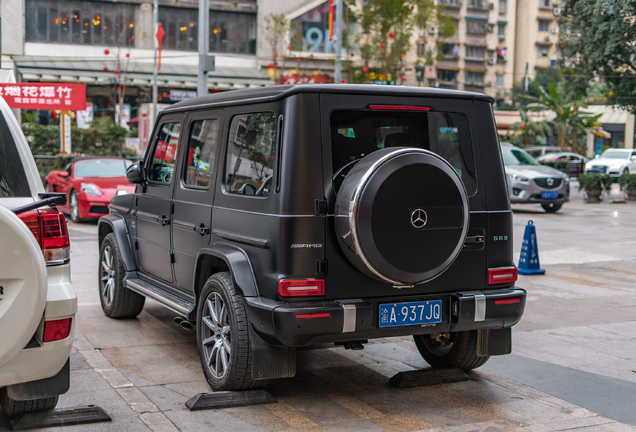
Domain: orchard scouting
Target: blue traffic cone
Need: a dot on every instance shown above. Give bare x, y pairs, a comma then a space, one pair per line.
529, 259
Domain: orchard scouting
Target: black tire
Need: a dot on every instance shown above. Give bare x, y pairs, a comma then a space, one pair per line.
12, 408
223, 336
73, 207
552, 207
117, 300
457, 351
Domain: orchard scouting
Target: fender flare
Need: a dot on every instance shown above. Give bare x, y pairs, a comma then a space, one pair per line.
237, 262
118, 226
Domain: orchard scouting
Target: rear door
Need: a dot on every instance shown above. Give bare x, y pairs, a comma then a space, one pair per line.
154, 216
194, 193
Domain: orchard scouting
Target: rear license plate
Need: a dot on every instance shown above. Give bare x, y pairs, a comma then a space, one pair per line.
549, 194
410, 313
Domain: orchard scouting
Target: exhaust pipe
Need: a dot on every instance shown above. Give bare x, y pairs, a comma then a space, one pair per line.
183, 323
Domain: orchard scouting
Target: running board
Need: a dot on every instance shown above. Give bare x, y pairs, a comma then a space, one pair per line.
169, 300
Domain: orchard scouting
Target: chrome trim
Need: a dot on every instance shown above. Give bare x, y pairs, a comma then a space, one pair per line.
141, 289
349, 320
252, 241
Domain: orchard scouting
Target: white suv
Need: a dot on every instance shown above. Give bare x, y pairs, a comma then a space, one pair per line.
37, 300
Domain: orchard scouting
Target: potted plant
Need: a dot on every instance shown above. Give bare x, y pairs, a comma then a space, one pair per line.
594, 184
627, 183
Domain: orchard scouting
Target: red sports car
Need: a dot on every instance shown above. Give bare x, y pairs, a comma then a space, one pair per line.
90, 183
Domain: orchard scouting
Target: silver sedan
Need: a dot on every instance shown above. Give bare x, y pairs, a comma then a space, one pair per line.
532, 183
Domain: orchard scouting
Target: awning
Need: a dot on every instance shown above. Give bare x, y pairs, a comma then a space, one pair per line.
102, 71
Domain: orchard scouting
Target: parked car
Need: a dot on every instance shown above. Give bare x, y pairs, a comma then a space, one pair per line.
573, 163
532, 183
89, 184
614, 162
290, 216
538, 151
37, 301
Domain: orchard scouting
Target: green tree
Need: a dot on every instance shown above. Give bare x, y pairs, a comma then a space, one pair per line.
387, 28
598, 42
568, 110
529, 132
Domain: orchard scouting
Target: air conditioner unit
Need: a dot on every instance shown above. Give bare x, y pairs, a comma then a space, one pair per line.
556, 11
492, 61
554, 30
547, 38
491, 5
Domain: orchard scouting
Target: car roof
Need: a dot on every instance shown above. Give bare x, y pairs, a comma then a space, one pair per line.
272, 93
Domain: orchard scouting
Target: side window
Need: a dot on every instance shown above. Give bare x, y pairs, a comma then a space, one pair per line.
249, 164
162, 162
202, 147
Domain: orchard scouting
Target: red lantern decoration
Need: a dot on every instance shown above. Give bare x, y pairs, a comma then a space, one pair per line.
404, 79
365, 69
132, 38
383, 57
353, 55
271, 65
297, 60
275, 54
391, 35
127, 55
288, 47
117, 71
381, 45
105, 69
343, 81
106, 51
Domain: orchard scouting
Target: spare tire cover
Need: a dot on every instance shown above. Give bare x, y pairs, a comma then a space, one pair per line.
23, 282
401, 215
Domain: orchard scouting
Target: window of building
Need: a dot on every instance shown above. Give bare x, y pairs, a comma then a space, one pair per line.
544, 25
473, 78
163, 159
475, 52
202, 148
450, 51
421, 49
249, 165
501, 29
476, 27
447, 75
543, 50
477, 3
79, 22
502, 6
499, 80
311, 31
450, 2
544, 3
113, 24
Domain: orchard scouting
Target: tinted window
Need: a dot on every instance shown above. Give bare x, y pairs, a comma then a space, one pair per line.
162, 162
202, 147
249, 165
13, 181
356, 134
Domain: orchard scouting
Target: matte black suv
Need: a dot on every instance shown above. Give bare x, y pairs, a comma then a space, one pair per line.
287, 216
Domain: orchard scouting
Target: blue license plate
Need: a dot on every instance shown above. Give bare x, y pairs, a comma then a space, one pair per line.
549, 194
410, 313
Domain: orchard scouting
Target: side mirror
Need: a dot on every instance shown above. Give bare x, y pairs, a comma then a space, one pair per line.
135, 173
64, 174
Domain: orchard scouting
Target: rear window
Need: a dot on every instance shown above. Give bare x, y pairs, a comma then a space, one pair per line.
355, 134
13, 181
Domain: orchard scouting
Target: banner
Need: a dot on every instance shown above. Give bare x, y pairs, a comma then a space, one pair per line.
44, 96
85, 117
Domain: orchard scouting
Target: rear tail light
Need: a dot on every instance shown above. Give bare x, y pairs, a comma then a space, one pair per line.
313, 315
57, 330
301, 287
49, 229
502, 275
399, 107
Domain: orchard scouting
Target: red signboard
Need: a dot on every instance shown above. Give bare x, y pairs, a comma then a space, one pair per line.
44, 96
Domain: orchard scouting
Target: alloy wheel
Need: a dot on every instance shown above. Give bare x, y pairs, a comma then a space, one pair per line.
107, 275
216, 340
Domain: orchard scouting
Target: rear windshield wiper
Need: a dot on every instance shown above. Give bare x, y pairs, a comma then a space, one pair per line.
48, 198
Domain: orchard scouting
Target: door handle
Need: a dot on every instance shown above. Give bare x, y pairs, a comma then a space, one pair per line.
202, 229
163, 220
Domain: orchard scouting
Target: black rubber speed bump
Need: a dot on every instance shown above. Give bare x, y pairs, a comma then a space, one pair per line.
229, 399
60, 417
426, 377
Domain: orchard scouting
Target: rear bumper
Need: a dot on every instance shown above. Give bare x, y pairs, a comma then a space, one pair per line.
357, 319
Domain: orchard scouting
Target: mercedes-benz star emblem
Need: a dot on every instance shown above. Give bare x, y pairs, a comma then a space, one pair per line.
419, 218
